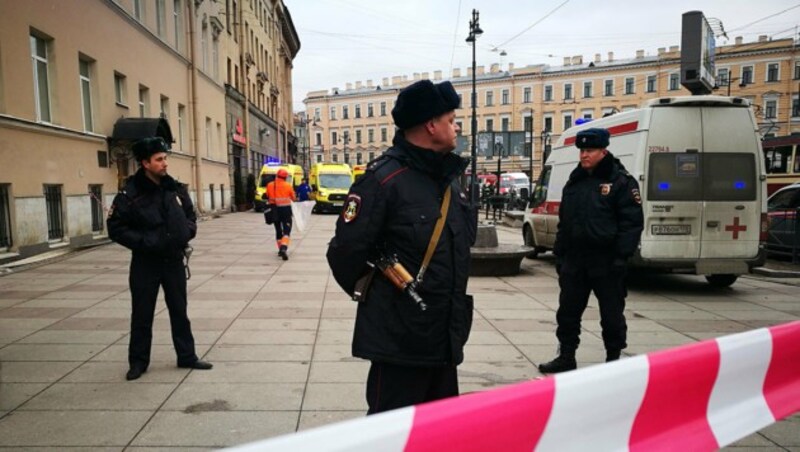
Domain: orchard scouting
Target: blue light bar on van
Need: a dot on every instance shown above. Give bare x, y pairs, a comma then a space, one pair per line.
663, 186
739, 185
270, 160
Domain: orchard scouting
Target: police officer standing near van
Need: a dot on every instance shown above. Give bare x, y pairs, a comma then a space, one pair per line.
153, 216
599, 226
392, 211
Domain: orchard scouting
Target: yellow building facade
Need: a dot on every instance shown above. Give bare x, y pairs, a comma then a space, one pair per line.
355, 124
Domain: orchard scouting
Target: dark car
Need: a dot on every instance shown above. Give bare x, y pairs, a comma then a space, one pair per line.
782, 208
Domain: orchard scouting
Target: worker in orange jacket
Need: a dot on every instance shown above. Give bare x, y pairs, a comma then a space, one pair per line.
280, 194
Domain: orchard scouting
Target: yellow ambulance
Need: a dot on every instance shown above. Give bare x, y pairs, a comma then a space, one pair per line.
330, 183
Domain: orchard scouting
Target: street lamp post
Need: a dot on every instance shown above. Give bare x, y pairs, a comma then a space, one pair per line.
345, 140
474, 32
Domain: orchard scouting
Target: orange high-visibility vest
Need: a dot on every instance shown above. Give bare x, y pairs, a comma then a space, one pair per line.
280, 193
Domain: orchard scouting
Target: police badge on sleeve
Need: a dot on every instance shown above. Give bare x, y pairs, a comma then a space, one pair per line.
352, 207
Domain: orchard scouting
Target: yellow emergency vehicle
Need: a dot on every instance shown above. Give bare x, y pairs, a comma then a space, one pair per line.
330, 183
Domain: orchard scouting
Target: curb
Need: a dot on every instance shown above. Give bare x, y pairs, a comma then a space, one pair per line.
772, 273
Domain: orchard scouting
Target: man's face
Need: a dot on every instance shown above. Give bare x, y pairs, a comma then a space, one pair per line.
156, 165
444, 132
590, 158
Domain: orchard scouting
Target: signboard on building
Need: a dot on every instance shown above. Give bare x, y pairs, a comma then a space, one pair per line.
238, 133
697, 53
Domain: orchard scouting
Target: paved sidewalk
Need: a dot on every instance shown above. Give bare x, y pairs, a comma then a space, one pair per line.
279, 335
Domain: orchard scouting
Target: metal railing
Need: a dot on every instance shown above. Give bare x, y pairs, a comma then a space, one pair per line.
784, 234
5, 218
55, 219
96, 196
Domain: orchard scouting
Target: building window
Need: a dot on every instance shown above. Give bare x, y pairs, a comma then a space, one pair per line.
138, 9
161, 17
335, 158
41, 81
797, 70
370, 135
181, 126
358, 111
505, 97
795, 110
371, 156
317, 114
5, 217
120, 88
370, 110
567, 121
55, 213
208, 137
164, 107
144, 101
587, 89
460, 127
345, 112
723, 77
526, 95
772, 72
548, 124
567, 91
489, 125
215, 57
95, 200
358, 158
383, 108
608, 88
770, 109
629, 83
346, 158
747, 75
318, 139
504, 123
587, 114
211, 195
319, 158
176, 22
651, 83
358, 136
334, 138
84, 68
204, 47
489, 98
383, 135
220, 138
333, 114
548, 93
674, 82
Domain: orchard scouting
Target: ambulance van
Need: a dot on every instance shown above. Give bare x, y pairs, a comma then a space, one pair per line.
330, 183
702, 179
267, 175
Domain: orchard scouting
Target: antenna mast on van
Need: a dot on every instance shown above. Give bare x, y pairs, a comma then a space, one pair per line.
698, 45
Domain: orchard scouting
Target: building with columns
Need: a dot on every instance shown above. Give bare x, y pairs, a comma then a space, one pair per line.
354, 124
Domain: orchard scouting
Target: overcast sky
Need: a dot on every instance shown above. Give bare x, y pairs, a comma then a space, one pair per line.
350, 40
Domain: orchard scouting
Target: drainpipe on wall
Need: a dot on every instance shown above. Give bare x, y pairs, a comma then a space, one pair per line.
197, 162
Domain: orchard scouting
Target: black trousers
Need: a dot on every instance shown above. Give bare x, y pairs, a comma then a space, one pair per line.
391, 386
283, 223
146, 276
577, 279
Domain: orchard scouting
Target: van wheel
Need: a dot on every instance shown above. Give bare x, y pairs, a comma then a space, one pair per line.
724, 280
529, 241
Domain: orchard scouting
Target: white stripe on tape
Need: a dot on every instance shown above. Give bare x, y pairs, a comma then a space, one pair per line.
737, 406
385, 432
614, 394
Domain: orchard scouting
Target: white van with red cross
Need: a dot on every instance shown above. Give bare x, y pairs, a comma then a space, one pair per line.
702, 179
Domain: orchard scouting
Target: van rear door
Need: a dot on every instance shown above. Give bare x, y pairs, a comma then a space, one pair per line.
732, 206
673, 207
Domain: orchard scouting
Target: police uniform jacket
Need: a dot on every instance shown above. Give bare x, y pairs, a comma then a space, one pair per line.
155, 220
396, 204
600, 213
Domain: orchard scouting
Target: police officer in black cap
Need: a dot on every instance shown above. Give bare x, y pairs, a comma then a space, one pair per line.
599, 225
392, 211
153, 216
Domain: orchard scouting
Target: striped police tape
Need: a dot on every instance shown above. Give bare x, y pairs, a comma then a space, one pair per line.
698, 397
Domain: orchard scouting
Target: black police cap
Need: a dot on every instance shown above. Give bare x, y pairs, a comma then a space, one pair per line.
594, 138
146, 147
422, 101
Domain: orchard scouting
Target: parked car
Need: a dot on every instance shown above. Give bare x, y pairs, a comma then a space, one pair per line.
783, 236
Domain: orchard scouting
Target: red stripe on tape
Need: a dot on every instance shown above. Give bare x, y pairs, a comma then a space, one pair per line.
782, 382
512, 418
673, 412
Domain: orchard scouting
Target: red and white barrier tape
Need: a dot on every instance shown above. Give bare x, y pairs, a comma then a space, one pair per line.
697, 397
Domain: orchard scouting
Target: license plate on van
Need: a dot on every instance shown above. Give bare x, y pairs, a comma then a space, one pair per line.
337, 204
671, 229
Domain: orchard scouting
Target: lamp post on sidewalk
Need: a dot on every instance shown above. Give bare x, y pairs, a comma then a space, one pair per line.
474, 32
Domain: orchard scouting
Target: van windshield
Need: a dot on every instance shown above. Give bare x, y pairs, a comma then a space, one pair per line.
724, 176
267, 178
334, 181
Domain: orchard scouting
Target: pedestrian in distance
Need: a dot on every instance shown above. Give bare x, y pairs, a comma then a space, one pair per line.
599, 227
303, 191
280, 194
390, 215
154, 217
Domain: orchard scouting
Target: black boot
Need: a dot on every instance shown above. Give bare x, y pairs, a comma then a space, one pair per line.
282, 253
565, 361
612, 355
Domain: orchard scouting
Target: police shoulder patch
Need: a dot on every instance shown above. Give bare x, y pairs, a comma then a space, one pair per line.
352, 207
636, 195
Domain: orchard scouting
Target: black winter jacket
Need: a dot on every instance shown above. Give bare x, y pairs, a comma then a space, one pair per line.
153, 220
397, 203
600, 213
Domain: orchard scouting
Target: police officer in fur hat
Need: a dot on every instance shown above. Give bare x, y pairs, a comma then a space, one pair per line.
153, 216
392, 211
599, 225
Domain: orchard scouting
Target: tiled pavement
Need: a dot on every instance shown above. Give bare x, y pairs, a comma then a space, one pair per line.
279, 336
